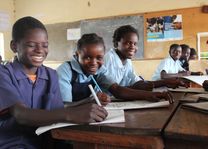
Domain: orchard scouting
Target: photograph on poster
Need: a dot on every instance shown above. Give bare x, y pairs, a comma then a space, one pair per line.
164, 28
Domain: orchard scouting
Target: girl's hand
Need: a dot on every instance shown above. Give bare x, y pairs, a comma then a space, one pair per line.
198, 73
86, 113
157, 96
175, 82
185, 73
104, 98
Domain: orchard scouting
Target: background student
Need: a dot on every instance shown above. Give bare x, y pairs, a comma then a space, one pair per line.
119, 64
29, 92
185, 57
88, 61
170, 66
193, 54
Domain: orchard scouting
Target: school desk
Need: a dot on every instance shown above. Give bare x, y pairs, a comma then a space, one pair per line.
188, 129
142, 129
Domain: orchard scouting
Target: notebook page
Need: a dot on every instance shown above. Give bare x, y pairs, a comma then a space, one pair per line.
114, 116
136, 105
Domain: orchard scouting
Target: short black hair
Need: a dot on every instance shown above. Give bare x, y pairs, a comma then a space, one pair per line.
173, 47
87, 39
24, 24
121, 32
184, 47
193, 51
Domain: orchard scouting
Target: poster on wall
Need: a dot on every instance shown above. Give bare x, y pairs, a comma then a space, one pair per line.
164, 28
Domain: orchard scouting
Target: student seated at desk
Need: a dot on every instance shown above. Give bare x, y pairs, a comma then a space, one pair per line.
119, 65
185, 57
88, 62
193, 54
29, 92
170, 67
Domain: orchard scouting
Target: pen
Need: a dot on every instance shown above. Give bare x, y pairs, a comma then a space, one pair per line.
95, 83
94, 95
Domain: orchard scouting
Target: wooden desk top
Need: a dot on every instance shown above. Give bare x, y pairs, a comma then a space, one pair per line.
137, 122
143, 121
142, 128
188, 125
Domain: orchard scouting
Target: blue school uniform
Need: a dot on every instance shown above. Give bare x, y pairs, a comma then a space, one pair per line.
67, 84
122, 73
16, 87
79, 90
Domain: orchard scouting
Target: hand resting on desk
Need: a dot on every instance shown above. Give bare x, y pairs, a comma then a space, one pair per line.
86, 113
157, 96
176, 82
104, 98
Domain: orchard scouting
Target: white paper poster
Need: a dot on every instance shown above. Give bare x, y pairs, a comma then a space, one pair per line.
73, 34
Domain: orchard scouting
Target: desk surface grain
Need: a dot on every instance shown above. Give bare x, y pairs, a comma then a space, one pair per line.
188, 124
142, 128
187, 129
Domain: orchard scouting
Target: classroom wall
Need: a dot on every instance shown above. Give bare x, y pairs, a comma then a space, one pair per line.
56, 11
193, 22
7, 6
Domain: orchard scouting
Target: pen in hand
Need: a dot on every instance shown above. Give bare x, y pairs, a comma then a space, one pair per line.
94, 95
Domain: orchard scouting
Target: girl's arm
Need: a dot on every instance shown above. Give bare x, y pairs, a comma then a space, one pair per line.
169, 82
132, 94
165, 75
84, 113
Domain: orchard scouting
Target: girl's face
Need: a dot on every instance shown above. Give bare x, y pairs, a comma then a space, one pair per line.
127, 46
186, 54
176, 53
90, 58
193, 57
32, 49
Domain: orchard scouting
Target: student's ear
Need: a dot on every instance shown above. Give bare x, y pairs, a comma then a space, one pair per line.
77, 53
115, 45
13, 46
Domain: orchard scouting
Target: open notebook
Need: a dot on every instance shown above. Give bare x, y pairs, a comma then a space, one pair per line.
197, 79
115, 113
195, 98
114, 116
140, 104
201, 106
188, 90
